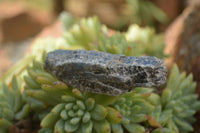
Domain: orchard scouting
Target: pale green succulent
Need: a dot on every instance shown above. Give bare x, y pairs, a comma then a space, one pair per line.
141, 112
84, 33
41, 46
179, 97
130, 111
90, 34
77, 113
41, 86
178, 104
145, 41
13, 106
134, 108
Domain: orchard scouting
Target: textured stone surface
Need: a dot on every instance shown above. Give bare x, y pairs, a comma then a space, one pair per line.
104, 73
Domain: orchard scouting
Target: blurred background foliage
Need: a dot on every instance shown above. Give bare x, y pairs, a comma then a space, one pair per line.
38, 4
117, 15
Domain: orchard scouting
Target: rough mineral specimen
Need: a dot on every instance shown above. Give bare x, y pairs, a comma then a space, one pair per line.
109, 74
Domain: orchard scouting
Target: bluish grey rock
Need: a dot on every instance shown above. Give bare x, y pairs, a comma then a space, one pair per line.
104, 73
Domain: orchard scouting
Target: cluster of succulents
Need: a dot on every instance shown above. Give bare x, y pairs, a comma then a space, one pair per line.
90, 34
42, 87
140, 110
73, 109
77, 113
145, 41
180, 99
135, 109
61, 108
13, 105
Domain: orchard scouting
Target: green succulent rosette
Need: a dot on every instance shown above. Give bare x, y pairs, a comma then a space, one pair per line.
179, 97
13, 105
134, 108
44, 90
79, 113
90, 34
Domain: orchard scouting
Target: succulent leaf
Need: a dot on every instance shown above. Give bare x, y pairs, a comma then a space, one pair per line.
49, 120
163, 130
4, 123
134, 128
59, 126
86, 117
137, 118
117, 128
153, 122
102, 126
48, 98
68, 98
99, 112
70, 127
90, 103
113, 116
45, 130
81, 104
87, 127
23, 113
77, 93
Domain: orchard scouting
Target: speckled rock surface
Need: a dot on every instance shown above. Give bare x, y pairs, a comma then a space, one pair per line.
104, 73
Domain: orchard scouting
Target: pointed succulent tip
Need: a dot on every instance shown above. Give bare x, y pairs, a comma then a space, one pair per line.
119, 116
146, 94
107, 129
56, 83
129, 48
78, 93
30, 93
113, 116
36, 78
133, 92
41, 125
75, 91
152, 121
